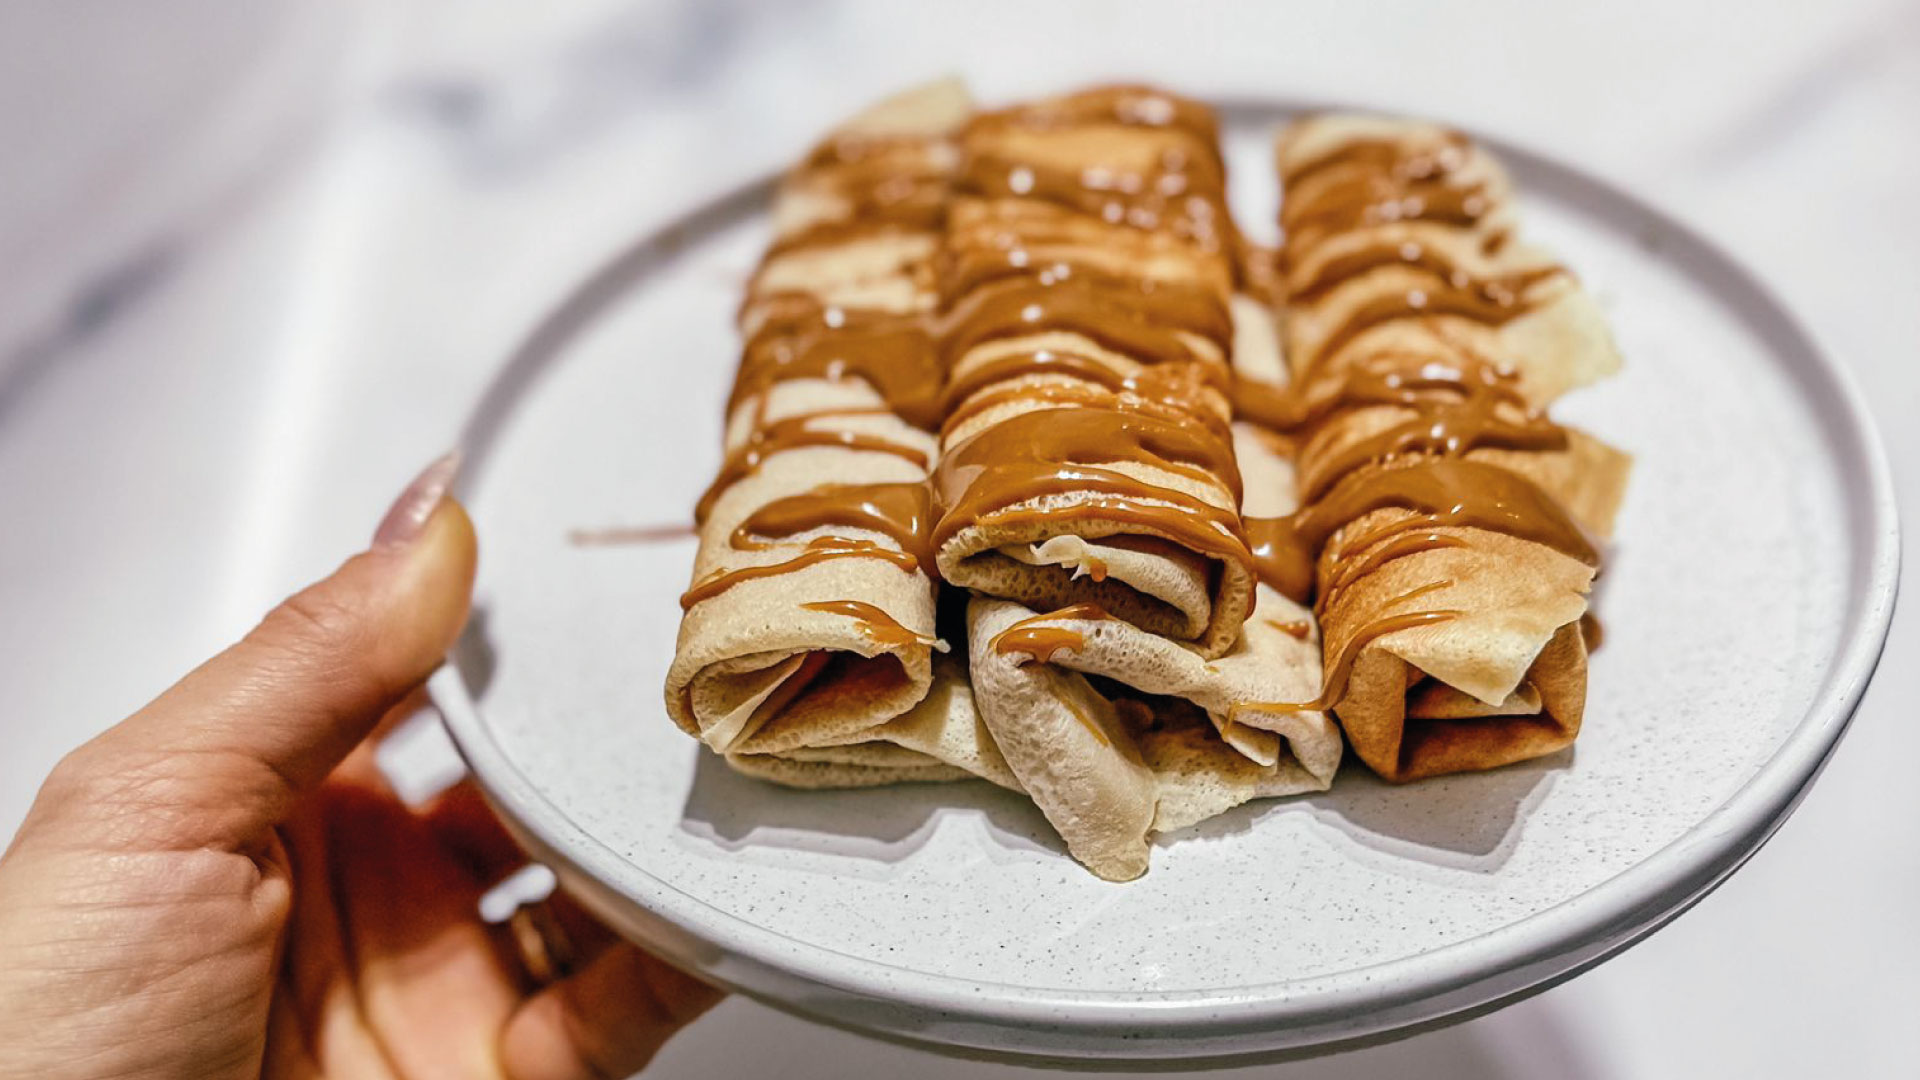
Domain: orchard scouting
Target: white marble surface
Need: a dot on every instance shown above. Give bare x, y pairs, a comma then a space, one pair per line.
185, 436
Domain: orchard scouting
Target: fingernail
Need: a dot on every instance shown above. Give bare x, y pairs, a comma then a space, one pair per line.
407, 518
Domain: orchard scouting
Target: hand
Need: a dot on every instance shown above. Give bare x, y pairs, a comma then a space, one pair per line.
223, 885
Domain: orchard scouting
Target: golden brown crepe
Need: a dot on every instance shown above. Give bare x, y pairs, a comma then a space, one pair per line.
1118, 733
811, 616
1086, 454
1449, 530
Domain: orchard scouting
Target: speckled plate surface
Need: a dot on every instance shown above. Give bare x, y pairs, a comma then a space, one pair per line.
1746, 602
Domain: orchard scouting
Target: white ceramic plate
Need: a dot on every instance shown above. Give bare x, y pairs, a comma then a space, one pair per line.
1745, 606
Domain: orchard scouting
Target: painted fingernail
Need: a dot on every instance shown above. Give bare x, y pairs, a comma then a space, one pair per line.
408, 516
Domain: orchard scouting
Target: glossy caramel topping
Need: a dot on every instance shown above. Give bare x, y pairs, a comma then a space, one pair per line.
1448, 429
793, 433
1365, 554
898, 180
817, 551
898, 511
1489, 308
1156, 297
1333, 685
878, 626
1298, 629
1039, 642
1453, 400
1142, 323
1388, 158
1129, 105
1181, 191
894, 354
1032, 637
1346, 266
1019, 365
1362, 203
1059, 451
1367, 182
1177, 194
1438, 492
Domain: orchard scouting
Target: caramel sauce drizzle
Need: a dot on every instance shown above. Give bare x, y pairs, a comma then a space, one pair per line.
1145, 324
899, 511
1371, 181
818, 550
1032, 637
1166, 413
1440, 492
893, 186
894, 354
1181, 193
878, 626
1297, 629
1455, 400
1059, 451
791, 434
1345, 267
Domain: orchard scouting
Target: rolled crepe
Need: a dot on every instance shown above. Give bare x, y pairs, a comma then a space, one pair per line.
1399, 233
1117, 733
941, 738
810, 619
1449, 529
1086, 456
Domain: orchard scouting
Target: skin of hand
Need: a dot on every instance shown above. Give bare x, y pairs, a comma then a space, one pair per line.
223, 885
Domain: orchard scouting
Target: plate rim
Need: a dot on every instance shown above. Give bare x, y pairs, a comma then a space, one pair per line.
1613, 914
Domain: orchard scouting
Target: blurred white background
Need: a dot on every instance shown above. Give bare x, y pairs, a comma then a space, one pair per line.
257, 260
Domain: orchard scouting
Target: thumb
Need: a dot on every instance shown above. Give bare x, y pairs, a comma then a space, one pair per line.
220, 757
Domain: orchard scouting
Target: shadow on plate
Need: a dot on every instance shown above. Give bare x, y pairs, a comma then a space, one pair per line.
1466, 822
878, 825
1469, 822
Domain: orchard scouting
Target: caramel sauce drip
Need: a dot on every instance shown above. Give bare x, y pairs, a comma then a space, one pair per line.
1143, 323
1164, 408
1039, 642
1127, 105
793, 433
1333, 686
890, 186
1370, 181
1455, 400
1297, 629
818, 550
894, 354
1488, 308
1032, 637
1181, 193
898, 511
1372, 201
1059, 451
1490, 413
1345, 267
838, 233
878, 626
900, 181
1438, 492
